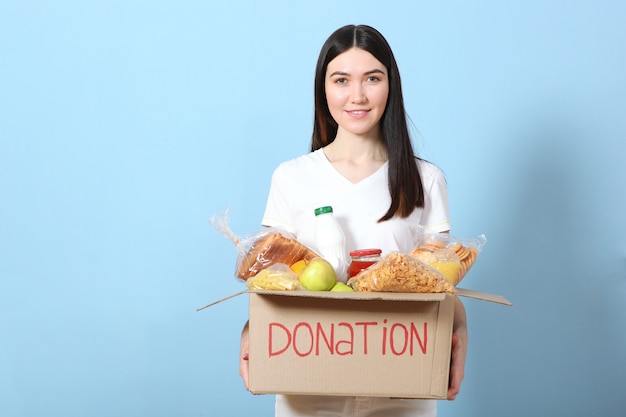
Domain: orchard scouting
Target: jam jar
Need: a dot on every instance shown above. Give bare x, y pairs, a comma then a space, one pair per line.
362, 259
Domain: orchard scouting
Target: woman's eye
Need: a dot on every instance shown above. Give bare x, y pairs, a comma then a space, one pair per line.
373, 79
341, 81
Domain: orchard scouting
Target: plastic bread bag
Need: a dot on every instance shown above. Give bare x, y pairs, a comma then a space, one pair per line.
399, 272
450, 255
263, 249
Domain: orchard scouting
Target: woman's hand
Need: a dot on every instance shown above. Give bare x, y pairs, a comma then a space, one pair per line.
243, 356
459, 350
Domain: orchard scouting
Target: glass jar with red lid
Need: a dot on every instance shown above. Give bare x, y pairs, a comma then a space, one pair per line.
362, 259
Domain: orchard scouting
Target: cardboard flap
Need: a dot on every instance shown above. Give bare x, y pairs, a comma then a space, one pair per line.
397, 296
483, 296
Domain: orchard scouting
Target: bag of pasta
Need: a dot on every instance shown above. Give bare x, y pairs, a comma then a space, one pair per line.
278, 277
398, 272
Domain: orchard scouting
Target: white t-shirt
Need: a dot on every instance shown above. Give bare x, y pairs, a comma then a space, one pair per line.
301, 185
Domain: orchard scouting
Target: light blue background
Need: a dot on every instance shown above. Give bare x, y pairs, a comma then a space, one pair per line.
125, 126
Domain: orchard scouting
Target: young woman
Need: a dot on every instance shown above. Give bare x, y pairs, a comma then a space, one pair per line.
363, 165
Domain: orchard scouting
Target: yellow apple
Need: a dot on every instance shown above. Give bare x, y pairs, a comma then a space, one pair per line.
318, 275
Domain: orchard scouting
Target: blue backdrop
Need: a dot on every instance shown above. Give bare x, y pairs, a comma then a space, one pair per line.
125, 125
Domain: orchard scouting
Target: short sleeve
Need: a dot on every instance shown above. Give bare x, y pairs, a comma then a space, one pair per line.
436, 213
277, 212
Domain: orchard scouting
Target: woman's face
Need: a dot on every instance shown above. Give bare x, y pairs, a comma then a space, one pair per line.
357, 87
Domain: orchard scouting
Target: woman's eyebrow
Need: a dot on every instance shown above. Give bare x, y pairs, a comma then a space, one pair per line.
372, 71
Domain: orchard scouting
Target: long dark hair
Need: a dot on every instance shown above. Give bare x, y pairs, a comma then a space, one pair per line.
405, 183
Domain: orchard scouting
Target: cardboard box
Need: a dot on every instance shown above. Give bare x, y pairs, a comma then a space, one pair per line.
352, 344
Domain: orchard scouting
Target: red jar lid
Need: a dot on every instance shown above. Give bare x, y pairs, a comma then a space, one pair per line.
365, 252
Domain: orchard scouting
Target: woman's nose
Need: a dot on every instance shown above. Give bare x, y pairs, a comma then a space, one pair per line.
358, 94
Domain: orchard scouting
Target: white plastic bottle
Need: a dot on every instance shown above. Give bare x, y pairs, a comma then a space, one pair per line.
330, 241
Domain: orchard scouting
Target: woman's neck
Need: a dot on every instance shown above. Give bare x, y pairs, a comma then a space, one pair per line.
356, 149
356, 158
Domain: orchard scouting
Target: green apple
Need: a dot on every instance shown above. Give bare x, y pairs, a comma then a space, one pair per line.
341, 287
318, 275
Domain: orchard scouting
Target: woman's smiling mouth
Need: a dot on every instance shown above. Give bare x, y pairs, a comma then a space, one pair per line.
357, 114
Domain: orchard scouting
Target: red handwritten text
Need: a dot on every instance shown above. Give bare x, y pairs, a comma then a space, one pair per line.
357, 338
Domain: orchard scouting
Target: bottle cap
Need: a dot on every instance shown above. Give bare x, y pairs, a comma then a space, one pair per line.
322, 210
365, 252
